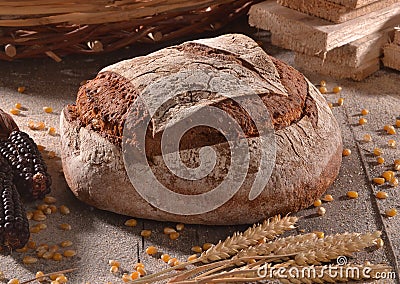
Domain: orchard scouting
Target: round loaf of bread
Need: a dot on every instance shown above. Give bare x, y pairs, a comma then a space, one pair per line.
117, 155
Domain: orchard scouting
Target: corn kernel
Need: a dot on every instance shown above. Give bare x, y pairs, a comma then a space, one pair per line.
340, 101
151, 250
322, 83
40, 125
145, 233
54, 276
392, 143
13, 281
15, 111
29, 259
29, 215
380, 160
39, 276
62, 279
352, 194
50, 199
174, 236
207, 246
337, 89
192, 257
65, 244
394, 182
381, 195
23, 249
377, 152
397, 162
169, 230
51, 131
47, 109
65, 227
321, 211
180, 226
165, 257
69, 253
379, 243
139, 264
364, 111
317, 203
48, 255
126, 278
386, 127
134, 275
57, 256
197, 249
378, 180
391, 212
362, 121
323, 90
34, 229
113, 262
130, 223
172, 261
64, 210
330, 105
319, 234
53, 208
391, 130
396, 167
346, 152
31, 245
39, 216
327, 198
388, 175
141, 271
114, 269
18, 106
397, 123
21, 89
367, 138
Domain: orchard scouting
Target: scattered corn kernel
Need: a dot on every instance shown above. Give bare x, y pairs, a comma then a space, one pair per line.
174, 236
377, 151
172, 261
48, 255
352, 194
379, 243
322, 83
346, 152
18, 105
40, 276
15, 111
40, 125
62, 279
64, 210
397, 162
379, 180
386, 127
396, 167
31, 125
54, 276
21, 89
57, 256
126, 278
69, 253
321, 211
391, 130
47, 109
391, 212
317, 203
31, 244
65, 227
381, 195
53, 208
397, 123
134, 275
130, 223
139, 264
362, 121
380, 160
13, 281
340, 101
337, 89
388, 175
51, 131
323, 90
39, 216
197, 249
29, 215
327, 198
29, 259
34, 229
207, 246
114, 269
151, 250
23, 249
330, 105
165, 257
192, 257
180, 226
141, 271
364, 111
169, 230
113, 262
145, 233
394, 182
367, 138
392, 143
319, 234
50, 200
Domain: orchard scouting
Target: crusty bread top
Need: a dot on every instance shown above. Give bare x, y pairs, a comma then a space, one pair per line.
103, 103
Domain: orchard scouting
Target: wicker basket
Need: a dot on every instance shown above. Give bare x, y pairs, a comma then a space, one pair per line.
58, 27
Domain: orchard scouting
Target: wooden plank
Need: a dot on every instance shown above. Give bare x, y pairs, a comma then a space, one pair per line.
396, 39
391, 57
352, 54
334, 12
315, 64
353, 3
317, 34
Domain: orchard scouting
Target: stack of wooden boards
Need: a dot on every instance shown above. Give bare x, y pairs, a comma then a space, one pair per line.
339, 38
391, 51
